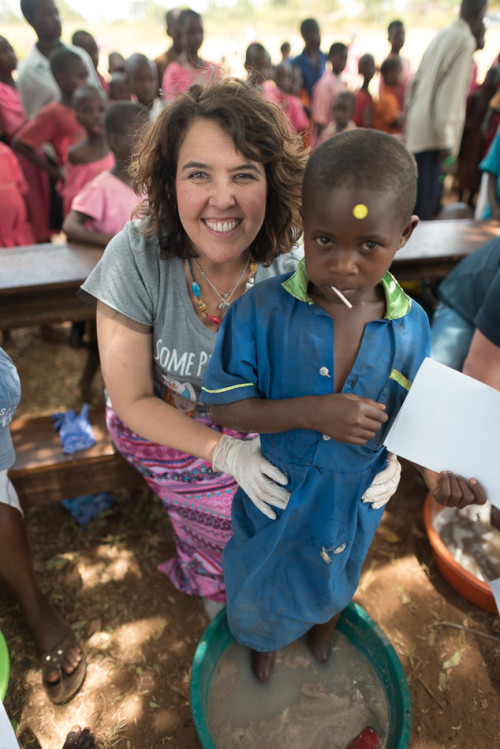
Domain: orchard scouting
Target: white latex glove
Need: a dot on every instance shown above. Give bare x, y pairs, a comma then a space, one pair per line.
244, 460
384, 484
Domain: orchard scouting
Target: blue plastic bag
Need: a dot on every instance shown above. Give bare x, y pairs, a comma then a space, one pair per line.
75, 431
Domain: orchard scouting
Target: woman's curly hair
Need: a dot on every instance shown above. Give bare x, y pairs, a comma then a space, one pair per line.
260, 131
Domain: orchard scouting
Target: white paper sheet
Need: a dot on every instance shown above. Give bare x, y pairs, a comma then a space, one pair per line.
451, 422
7, 736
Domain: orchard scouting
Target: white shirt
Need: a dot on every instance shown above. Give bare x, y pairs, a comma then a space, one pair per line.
438, 92
36, 84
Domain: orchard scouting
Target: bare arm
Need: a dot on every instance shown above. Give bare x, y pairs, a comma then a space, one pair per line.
76, 231
126, 360
31, 155
347, 418
483, 361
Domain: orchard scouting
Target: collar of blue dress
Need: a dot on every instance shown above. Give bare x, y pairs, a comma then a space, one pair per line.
398, 304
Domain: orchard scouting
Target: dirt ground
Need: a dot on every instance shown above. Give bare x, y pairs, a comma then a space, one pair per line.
140, 634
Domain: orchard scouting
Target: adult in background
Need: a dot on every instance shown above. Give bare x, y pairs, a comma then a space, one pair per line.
465, 331
223, 173
35, 82
311, 61
437, 98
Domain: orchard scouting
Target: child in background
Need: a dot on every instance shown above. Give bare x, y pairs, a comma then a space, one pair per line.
287, 100
12, 119
105, 204
14, 227
86, 41
343, 113
92, 156
322, 384
257, 64
285, 50
396, 35
116, 63
143, 82
363, 111
388, 115
327, 88
119, 88
189, 68
56, 122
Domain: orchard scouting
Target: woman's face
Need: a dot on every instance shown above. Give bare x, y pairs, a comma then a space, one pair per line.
221, 194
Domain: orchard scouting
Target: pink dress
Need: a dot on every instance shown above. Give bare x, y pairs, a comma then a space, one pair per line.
77, 176
54, 124
108, 202
290, 104
12, 118
178, 79
14, 228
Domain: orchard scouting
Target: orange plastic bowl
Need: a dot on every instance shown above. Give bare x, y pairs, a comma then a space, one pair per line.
468, 585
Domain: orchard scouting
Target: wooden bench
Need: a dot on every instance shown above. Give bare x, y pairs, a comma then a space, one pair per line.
43, 473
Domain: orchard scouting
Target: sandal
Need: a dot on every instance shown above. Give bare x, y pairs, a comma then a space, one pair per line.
67, 685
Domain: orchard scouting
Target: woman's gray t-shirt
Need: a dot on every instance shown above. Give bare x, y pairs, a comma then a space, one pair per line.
132, 279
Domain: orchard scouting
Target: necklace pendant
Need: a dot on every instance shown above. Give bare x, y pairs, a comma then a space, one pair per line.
223, 305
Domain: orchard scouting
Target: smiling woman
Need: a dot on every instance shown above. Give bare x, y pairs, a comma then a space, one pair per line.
223, 177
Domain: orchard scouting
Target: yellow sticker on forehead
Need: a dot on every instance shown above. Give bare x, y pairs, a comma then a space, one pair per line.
360, 211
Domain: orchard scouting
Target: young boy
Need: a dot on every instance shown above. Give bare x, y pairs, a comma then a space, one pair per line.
319, 363
363, 111
327, 88
388, 116
396, 36
343, 113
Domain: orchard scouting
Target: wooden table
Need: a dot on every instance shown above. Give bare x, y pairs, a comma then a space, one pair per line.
38, 284
436, 246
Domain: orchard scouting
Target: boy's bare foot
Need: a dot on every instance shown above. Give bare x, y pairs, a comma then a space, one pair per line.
320, 636
262, 664
78, 739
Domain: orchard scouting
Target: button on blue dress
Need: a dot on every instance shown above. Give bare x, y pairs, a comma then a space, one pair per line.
285, 575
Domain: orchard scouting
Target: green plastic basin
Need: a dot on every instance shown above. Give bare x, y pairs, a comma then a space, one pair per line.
4, 667
355, 624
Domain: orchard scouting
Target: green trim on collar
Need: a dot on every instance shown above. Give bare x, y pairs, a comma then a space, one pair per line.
398, 303
297, 284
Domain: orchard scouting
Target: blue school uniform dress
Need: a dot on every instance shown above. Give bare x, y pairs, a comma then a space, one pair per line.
283, 576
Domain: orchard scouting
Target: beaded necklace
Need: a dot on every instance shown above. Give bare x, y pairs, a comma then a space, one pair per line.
225, 298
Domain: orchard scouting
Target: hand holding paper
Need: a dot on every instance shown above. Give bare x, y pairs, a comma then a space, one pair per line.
450, 422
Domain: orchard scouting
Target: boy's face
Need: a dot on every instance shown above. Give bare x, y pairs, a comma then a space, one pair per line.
352, 254
46, 20
397, 37
339, 61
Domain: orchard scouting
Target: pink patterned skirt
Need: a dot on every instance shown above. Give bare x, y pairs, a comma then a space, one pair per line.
197, 499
